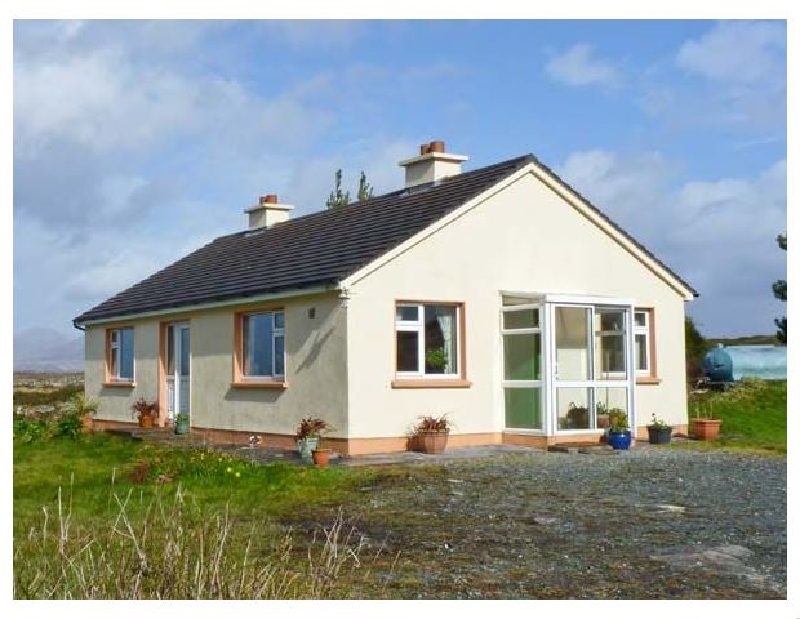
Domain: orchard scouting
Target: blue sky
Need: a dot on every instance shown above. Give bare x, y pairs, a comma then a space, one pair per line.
136, 142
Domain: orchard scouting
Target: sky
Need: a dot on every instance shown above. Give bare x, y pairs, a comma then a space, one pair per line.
136, 142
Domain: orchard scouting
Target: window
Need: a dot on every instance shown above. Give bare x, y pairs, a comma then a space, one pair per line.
643, 345
610, 333
521, 333
260, 348
119, 355
428, 340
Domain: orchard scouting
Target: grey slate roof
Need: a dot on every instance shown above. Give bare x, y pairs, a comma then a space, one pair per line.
319, 249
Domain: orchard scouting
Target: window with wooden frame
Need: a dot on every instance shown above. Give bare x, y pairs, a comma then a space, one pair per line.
644, 346
119, 356
259, 349
429, 344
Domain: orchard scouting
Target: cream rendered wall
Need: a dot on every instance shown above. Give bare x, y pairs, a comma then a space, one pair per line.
523, 238
316, 372
115, 402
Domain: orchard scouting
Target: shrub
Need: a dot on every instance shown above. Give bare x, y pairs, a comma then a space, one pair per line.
69, 425
30, 430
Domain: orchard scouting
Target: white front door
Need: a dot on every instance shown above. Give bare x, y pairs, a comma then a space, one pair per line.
177, 370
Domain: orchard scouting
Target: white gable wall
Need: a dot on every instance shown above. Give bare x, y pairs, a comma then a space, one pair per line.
524, 238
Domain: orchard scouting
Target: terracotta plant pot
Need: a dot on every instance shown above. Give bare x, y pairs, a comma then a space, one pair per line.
321, 457
88, 423
432, 442
706, 429
146, 421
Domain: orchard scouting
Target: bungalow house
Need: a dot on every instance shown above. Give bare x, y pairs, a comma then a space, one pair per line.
498, 296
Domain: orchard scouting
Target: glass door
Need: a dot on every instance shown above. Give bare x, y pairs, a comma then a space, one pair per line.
591, 365
177, 370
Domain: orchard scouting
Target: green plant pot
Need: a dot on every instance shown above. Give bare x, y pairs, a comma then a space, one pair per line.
306, 445
182, 426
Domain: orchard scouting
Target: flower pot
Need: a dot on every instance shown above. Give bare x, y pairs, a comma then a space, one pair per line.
620, 440
306, 445
706, 429
659, 435
432, 442
146, 421
182, 426
321, 457
88, 423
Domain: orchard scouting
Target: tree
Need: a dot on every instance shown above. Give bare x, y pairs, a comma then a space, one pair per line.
779, 290
696, 347
364, 188
337, 197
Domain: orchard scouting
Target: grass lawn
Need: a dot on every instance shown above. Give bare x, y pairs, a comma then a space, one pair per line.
753, 416
74, 494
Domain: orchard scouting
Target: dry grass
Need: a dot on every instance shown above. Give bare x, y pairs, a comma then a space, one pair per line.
175, 550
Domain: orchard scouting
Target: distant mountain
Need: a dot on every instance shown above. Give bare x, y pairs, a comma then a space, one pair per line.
40, 349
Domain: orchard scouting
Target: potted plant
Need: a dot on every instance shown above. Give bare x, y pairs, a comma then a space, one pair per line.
431, 434
704, 427
182, 423
146, 412
85, 408
307, 435
659, 432
619, 434
436, 360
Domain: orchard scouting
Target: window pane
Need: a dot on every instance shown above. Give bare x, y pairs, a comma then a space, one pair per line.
610, 354
521, 319
640, 318
278, 320
573, 408
440, 339
279, 344
522, 354
126, 354
641, 351
258, 345
184, 369
509, 300
407, 351
611, 320
608, 401
524, 408
408, 313
113, 363
572, 343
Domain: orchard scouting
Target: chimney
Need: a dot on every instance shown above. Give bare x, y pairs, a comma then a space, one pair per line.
432, 164
268, 212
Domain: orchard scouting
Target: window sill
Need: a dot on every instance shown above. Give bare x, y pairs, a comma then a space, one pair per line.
259, 384
431, 383
648, 380
124, 384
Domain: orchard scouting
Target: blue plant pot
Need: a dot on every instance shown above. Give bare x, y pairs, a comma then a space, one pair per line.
620, 440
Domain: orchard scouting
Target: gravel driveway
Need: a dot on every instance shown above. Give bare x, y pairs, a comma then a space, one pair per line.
644, 524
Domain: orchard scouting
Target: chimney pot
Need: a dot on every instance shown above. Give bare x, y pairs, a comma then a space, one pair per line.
437, 146
424, 149
432, 164
270, 198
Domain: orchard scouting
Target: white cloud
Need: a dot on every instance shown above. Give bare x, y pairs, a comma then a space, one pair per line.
719, 235
578, 67
736, 51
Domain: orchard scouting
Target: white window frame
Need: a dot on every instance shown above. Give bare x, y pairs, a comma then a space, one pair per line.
276, 332
529, 384
645, 331
418, 326
115, 350
598, 311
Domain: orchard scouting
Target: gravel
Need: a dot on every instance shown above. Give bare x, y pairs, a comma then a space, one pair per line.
643, 524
